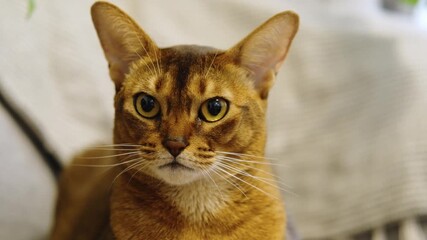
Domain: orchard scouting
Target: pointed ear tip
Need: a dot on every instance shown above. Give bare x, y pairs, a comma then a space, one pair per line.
96, 7
99, 6
290, 17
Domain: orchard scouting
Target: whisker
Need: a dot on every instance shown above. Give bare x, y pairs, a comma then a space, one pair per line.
249, 184
119, 144
261, 179
137, 171
147, 63
111, 149
243, 171
157, 61
104, 165
247, 155
233, 184
131, 156
251, 167
148, 55
219, 191
115, 146
142, 45
250, 161
260, 170
136, 164
110, 156
152, 70
210, 66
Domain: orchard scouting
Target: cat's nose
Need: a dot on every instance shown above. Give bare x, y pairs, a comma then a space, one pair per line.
175, 146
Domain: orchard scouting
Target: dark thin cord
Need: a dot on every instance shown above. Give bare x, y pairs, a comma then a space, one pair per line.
49, 158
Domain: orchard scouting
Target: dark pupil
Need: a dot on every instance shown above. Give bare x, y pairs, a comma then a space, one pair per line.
214, 107
147, 103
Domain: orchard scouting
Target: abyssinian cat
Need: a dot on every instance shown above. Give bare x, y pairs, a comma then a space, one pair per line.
189, 134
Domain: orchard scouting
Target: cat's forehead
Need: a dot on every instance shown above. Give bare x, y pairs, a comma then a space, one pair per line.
195, 51
182, 68
186, 75
188, 59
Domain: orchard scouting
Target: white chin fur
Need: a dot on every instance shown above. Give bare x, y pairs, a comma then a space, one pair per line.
177, 176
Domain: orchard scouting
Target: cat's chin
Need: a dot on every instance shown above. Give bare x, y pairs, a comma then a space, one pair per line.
177, 175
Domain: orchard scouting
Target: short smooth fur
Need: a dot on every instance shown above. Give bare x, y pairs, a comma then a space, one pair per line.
178, 169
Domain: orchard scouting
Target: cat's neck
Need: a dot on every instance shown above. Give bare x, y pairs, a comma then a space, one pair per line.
194, 201
153, 206
198, 199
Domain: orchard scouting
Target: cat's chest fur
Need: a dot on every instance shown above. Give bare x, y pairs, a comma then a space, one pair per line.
199, 211
198, 201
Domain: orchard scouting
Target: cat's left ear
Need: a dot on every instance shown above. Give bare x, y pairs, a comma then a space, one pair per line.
122, 40
264, 50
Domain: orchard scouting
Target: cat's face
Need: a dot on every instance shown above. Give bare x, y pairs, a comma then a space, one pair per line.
187, 107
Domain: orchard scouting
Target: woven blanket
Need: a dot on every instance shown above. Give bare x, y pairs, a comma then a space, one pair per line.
347, 116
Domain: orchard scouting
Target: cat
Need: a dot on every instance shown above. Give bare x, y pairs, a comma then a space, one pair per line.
189, 136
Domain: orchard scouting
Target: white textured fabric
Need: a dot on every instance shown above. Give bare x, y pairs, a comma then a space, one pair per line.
347, 113
27, 187
355, 131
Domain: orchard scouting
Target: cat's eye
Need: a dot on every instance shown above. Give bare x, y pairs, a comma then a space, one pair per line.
213, 109
147, 106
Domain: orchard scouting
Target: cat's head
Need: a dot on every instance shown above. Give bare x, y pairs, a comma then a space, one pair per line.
187, 107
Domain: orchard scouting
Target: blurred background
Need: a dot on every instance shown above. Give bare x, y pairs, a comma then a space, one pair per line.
347, 116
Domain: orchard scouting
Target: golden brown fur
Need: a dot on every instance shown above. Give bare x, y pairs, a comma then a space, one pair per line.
221, 186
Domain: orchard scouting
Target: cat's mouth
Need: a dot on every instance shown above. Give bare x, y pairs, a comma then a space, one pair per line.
175, 165
175, 172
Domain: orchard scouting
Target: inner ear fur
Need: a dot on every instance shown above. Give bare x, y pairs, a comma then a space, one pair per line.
264, 50
122, 40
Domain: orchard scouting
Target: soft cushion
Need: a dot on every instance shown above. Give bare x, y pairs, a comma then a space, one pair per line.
27, 187
347, 114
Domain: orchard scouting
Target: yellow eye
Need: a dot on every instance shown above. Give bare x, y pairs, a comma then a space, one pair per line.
147, 106
213, 109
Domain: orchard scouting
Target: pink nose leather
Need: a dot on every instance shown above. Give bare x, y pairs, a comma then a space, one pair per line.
175, 147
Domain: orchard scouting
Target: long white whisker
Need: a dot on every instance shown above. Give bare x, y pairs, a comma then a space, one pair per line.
247, 155
210, 66
132, 155
112, 149
110, 156
241, 171
152, 70
157, 61
120, 144
233, 184
251, 167
140, 167
147, 63
250, 161
204, 171
136, 164
146, 52
249, 184
260, 170
105, 165
261, 179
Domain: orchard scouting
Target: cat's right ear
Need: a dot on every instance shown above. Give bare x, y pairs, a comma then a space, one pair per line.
122, 40
264, 50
